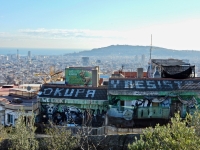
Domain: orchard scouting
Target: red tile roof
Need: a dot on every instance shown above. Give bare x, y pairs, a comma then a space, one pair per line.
131, 74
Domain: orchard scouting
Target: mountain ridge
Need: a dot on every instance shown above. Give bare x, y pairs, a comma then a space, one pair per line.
127, 50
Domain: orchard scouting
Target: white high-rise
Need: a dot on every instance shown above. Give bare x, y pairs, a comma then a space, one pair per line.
17, 54
29, 54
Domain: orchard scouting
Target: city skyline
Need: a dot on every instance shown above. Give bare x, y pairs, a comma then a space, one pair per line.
87, 24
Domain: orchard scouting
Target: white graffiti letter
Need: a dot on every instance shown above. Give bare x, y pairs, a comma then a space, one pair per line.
90, 92
168, 83
188, 82
114, 83
139, 84
79, 91
48, 91
151, 85
69, 94
159, 84
43, 100
178, 83
128, 84
58, 92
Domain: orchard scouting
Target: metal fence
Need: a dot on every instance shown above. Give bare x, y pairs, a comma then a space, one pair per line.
88, 130
105, 130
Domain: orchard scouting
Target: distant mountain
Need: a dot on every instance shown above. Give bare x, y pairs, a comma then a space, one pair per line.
128, 50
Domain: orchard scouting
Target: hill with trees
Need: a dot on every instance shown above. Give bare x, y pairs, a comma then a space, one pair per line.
128, 50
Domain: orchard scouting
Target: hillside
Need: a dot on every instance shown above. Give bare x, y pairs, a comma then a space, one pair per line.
128, 50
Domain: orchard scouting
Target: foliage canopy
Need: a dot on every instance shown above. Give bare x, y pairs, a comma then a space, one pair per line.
179, 134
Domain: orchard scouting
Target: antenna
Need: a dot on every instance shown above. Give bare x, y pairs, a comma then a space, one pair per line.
151, 47
150, 58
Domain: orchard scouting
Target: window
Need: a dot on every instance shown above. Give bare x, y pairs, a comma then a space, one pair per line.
121, 105
10, 118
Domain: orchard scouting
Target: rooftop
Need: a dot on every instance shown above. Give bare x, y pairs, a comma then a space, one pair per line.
9, 102
16, 101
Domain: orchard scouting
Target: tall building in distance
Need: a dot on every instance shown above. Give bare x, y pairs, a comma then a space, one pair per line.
143, 58
18, 54
29, 55
136, 58
85, 61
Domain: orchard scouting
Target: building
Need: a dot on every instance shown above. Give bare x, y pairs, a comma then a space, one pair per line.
85, 61
170, 68
29, 55
136, 102
79, 100
14, 100
67, 105
141, 102
133, 74
18, 57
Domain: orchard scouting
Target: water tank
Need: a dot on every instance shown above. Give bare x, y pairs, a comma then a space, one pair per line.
139, 72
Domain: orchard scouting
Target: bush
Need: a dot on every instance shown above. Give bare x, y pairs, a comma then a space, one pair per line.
177, 135
22, 137
59, 138
3, 134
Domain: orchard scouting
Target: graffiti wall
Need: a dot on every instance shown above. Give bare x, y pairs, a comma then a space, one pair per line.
154, 106
78, 76
154, 84
63, 114
75, 106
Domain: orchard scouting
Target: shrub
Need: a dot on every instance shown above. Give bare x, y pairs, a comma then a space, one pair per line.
22, 136
176, 135
59, 138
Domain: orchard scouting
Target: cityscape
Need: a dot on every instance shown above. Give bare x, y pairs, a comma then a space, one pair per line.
31, 69
99, 75
112, 95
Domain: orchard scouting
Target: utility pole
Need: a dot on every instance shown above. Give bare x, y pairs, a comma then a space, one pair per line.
150, 58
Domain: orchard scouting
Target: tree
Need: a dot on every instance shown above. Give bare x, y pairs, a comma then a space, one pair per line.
177, 135
3, 134
59, 138
194, 121
85, 132
22, 137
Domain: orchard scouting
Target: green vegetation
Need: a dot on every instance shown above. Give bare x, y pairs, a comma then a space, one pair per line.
59, 138
22, 137
178, 135
3, 134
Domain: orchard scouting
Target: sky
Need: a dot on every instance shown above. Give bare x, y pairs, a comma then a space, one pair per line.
88, 24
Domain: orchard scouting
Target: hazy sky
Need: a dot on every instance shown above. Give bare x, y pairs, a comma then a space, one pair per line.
87, 24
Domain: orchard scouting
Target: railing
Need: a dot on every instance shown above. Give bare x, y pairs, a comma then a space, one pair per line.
33, 106
140, 112
153, 112
110, 130
104, 130
23, 94
89, 130
86, 130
